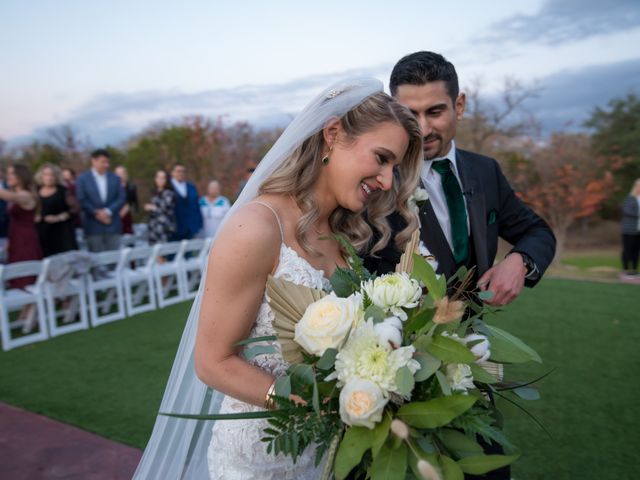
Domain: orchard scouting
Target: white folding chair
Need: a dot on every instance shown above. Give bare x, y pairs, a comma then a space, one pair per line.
15, 299
166, 273
65, 297
137, 276
194, 255
104, 288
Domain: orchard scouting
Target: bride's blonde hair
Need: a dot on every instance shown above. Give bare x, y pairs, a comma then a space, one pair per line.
297, 175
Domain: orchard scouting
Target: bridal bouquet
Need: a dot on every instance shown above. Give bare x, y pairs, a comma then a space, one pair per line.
391, 376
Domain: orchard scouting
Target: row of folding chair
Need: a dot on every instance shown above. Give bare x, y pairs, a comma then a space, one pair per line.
120, 283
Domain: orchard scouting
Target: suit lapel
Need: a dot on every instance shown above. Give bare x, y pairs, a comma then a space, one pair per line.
96, 190
433, 237
474, 194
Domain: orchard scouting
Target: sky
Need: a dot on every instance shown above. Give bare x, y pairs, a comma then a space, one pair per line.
111, 68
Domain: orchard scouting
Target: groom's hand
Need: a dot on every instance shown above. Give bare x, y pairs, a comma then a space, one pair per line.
505, 280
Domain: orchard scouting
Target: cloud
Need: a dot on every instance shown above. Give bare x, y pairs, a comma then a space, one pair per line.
568, 97
111, 118
564, 21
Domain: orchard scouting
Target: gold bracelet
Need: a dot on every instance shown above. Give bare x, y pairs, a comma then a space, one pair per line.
269, 402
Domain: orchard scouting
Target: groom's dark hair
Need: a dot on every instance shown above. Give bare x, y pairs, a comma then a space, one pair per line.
422, 67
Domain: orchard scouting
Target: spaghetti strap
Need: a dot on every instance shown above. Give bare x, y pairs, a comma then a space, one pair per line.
275, 214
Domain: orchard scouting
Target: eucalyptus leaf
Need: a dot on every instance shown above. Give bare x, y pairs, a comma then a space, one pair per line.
481, 464
425, 273
505, 348
437, 412
252, 352
404, 381
247, 341
303, 373
328, 359
527, 393
315, 399
486, 295
428, 366
355, 442
450, 351
374, 312
418, 320
283, 386
390, 464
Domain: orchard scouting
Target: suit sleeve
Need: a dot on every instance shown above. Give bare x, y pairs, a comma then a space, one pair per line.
88, 207
523, 228
118, 201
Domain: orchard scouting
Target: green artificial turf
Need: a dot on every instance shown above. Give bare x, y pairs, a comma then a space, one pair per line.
110, 379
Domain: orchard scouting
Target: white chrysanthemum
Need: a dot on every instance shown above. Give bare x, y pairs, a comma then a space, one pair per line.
393, 292
460, 377
363, 357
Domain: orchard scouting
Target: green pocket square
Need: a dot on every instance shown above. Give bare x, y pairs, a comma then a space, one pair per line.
491, 218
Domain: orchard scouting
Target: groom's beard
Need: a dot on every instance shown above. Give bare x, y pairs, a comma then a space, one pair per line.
428, 151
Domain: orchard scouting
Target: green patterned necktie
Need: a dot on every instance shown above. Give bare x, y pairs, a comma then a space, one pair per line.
457, 210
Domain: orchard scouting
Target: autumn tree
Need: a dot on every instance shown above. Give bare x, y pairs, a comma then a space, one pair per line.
563, 181
491, 122
616, 131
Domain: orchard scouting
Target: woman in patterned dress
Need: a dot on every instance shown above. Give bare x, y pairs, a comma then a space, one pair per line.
161, 208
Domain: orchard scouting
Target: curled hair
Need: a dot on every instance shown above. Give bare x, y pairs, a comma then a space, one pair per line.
57, 173
298, 174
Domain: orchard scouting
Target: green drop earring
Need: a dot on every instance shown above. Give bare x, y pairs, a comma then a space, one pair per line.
325, 159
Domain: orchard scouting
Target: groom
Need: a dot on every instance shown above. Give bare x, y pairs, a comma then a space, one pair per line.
470, 202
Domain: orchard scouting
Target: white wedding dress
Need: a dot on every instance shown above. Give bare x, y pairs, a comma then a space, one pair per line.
235, 451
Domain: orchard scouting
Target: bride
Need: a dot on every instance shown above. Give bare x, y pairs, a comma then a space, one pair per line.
348, 160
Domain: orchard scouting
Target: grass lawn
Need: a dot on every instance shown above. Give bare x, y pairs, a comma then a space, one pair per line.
110, 380
587, 260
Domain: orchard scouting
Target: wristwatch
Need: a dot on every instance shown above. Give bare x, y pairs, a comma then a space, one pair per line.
530, 265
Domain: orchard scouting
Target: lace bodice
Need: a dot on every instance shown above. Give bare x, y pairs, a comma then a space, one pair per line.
235, 451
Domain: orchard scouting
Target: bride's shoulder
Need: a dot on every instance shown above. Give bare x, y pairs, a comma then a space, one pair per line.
252, 225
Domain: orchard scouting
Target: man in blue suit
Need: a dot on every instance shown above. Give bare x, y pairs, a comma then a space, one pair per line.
101, 197
188, 215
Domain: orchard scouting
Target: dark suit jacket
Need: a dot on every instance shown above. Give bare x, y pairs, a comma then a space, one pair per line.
188, 214
90, 201
494, 211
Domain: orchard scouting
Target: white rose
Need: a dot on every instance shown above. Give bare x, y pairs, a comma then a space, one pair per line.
420, 194
460, 377
361, 403
327, 322
393, 292
480, 349
389, 332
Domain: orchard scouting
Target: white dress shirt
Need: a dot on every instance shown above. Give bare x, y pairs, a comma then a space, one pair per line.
180, 187
433, 184
101, 182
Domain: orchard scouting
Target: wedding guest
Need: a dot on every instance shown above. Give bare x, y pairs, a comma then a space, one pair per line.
214, 206
188, 215
131, 200
58, 208
4, 221
23, 237
631, 231
69, 178
101, 197
161, 208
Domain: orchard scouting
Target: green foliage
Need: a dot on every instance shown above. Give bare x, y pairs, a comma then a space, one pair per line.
391, 463
450, 351
355, 442
480, 464
616, 130
424, 272
437, 412
508, 348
